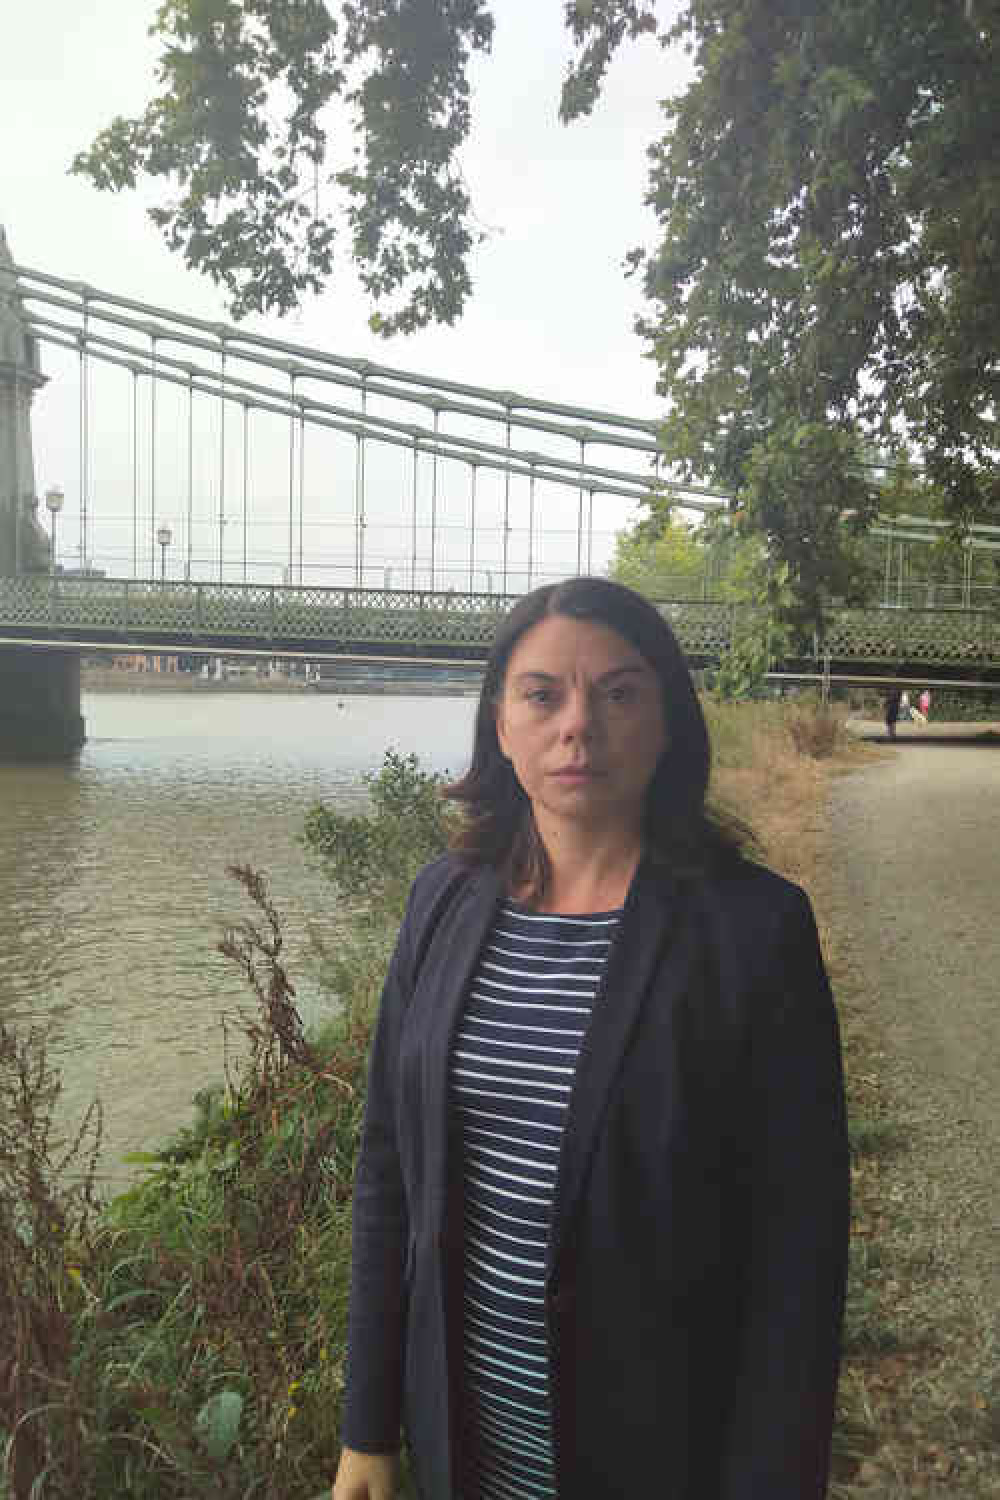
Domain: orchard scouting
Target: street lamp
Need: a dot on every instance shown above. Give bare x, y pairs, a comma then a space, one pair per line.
164, 536
54, 504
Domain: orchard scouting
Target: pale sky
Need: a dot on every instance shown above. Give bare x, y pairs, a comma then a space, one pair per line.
551, 312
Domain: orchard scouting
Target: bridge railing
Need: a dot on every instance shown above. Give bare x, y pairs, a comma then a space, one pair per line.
272, 615
264, 612
933, 635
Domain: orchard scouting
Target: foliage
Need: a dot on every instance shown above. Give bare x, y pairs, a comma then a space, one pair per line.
47, 1203
665, 558
188, 1337
255, 95
667, 562
816, 729
372, 857
743, 667
828, 266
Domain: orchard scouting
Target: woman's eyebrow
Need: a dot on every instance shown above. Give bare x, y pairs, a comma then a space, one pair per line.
634, 669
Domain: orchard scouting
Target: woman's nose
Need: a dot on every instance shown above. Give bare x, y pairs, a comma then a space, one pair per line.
577, 720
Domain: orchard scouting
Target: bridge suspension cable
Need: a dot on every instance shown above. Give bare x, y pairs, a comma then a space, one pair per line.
540, 448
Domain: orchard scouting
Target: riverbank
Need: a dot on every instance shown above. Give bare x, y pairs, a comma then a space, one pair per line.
114, 680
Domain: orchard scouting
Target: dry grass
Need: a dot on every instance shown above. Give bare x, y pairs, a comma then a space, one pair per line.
777, 788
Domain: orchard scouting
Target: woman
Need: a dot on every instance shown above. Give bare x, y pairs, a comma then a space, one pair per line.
893, 704
601, 1207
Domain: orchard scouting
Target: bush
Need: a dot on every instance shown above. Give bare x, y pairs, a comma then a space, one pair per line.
372, 858
817, 729
742, 668
45, 1229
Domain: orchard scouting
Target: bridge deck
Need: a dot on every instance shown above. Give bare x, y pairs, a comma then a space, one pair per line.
183, 616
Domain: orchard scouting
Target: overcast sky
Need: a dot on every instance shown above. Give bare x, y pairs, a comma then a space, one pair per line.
551, 312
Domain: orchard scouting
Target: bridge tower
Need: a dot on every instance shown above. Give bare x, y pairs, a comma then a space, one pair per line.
39, 689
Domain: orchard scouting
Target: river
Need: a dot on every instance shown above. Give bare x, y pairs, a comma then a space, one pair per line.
113, 892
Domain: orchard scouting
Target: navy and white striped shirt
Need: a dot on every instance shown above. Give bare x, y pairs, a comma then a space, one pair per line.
511, 1071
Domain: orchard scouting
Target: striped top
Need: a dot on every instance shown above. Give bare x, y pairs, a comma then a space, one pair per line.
511, 1070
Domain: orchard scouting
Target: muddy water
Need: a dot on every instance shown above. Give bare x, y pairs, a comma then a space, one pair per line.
113, 892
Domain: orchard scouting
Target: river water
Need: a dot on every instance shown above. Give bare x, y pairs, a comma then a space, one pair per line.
113, 892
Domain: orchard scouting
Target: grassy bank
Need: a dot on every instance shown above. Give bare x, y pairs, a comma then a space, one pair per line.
186, 1339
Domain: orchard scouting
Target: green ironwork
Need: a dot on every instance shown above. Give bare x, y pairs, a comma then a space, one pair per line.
212, 614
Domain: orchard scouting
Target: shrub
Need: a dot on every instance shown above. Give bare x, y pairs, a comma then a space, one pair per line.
742, 668
372, 857
817, 729
46, 1224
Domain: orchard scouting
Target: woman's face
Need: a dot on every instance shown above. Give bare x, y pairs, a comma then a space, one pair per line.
580, 719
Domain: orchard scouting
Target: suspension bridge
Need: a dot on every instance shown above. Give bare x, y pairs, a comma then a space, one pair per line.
236, 493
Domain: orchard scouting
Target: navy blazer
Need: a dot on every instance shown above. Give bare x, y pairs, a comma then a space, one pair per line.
697, 1256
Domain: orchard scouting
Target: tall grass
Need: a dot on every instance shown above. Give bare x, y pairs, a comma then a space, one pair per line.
186, 1338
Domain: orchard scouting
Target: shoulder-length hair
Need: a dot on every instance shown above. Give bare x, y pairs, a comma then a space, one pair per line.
498, 828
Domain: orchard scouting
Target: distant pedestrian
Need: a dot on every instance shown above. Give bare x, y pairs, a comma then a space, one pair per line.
892, 705
905, 708
924, 703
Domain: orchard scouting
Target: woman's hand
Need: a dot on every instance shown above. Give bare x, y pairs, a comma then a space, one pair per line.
366, 1476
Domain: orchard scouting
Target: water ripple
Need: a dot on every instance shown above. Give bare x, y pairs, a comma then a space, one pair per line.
113, 892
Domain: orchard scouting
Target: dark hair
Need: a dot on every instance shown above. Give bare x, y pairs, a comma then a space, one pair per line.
499, 827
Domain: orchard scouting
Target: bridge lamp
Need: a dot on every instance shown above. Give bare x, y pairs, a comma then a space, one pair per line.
164, 536
54, 503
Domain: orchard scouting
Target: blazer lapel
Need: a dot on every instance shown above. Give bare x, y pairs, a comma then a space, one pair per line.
646, 927
450, 963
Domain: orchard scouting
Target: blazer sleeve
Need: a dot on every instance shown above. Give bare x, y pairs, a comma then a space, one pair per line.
797, 1177
371, 1414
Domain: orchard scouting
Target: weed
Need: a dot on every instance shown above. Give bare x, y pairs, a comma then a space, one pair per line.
875, 1137
45, 1232
817, 729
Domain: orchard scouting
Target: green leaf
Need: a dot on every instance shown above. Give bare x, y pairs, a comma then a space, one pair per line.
218, 1424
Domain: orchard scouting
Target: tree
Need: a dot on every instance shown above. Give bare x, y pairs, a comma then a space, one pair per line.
827, 189
665, 561
828, 271
664, 558
245, 121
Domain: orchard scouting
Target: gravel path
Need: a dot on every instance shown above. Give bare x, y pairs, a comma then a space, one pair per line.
915, 893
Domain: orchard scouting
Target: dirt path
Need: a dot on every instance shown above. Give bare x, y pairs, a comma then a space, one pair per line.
916, 899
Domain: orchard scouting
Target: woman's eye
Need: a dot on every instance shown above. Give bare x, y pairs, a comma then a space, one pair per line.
621, 694
539, 695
